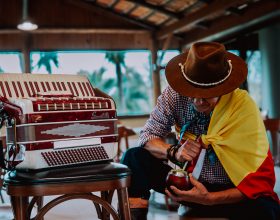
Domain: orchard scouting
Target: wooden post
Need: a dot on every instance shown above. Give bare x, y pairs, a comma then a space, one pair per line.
156, 70
270, 51
157, 64
26, 53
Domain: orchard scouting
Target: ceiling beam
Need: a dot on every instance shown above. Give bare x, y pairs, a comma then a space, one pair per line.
157, 8
214, 7
194, 5
75, 31
92, 6
232, 24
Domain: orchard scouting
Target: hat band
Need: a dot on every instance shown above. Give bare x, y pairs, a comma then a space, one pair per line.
206, 84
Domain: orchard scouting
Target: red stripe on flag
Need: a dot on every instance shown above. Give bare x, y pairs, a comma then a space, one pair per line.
261, 182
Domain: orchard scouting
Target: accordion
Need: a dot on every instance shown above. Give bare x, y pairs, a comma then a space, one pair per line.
56, 120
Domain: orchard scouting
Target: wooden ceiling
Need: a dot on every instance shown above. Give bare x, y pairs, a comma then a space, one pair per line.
180, 22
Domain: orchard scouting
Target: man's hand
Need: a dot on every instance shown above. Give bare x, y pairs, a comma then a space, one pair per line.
198, 194
188, 151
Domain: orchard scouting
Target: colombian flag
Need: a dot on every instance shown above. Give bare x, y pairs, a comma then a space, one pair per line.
238, 137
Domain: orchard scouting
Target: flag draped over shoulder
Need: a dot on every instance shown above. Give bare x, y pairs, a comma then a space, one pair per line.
238, 137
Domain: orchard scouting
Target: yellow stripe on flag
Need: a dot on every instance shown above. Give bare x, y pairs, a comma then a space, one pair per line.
237, 135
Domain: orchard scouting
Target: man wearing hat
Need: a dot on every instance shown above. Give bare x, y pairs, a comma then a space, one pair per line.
220, 134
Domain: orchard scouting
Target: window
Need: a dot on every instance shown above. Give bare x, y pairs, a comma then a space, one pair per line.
124, 75
168, 55
254, 75
10, 62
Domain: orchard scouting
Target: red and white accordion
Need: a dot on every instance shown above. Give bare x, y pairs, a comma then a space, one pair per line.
56, 120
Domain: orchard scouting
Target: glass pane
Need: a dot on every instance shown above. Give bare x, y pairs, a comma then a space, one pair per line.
124, 75
10, 62
236, 52
168, 55
254, 75
137, 83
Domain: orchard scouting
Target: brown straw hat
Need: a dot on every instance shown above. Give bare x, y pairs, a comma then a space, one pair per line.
206, 70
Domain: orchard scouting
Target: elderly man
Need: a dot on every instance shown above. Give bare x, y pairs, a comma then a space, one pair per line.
232, 168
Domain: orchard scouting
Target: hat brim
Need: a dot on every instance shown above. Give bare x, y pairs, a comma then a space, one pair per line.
177, 81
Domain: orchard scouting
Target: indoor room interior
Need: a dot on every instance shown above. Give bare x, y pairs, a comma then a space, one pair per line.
121, 48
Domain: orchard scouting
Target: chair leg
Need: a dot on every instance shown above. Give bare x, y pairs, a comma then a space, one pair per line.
124, 211
20, 205
105, 214
1, 196
35, 200
40, 204
167, 203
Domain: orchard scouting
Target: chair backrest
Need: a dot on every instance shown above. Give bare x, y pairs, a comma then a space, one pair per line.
124, 132
272, 126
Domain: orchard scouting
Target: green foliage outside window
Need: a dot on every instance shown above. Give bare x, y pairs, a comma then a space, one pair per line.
124, 75
255, 75
121, 75
46, 59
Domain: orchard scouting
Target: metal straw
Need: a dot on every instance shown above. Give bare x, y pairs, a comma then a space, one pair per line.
185, 165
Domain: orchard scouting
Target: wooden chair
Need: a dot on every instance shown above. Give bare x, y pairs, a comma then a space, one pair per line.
272, 126
70, 183
2, 173
124, 132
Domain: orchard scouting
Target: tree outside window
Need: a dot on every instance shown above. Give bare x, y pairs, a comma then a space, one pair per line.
124, 75
255, 75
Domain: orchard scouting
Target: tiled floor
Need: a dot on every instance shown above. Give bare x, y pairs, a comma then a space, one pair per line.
84, 210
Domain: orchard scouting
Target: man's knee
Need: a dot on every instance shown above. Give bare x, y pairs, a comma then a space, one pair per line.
134, 155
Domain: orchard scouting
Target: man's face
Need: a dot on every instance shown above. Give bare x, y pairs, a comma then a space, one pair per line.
205, 105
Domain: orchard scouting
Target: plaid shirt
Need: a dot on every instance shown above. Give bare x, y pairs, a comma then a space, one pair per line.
174, 109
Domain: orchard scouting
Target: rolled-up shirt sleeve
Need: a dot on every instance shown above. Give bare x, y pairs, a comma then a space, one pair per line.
161, 118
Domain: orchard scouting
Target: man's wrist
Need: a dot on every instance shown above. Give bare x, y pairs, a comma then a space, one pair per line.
171, 154
211, 198
224, 197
